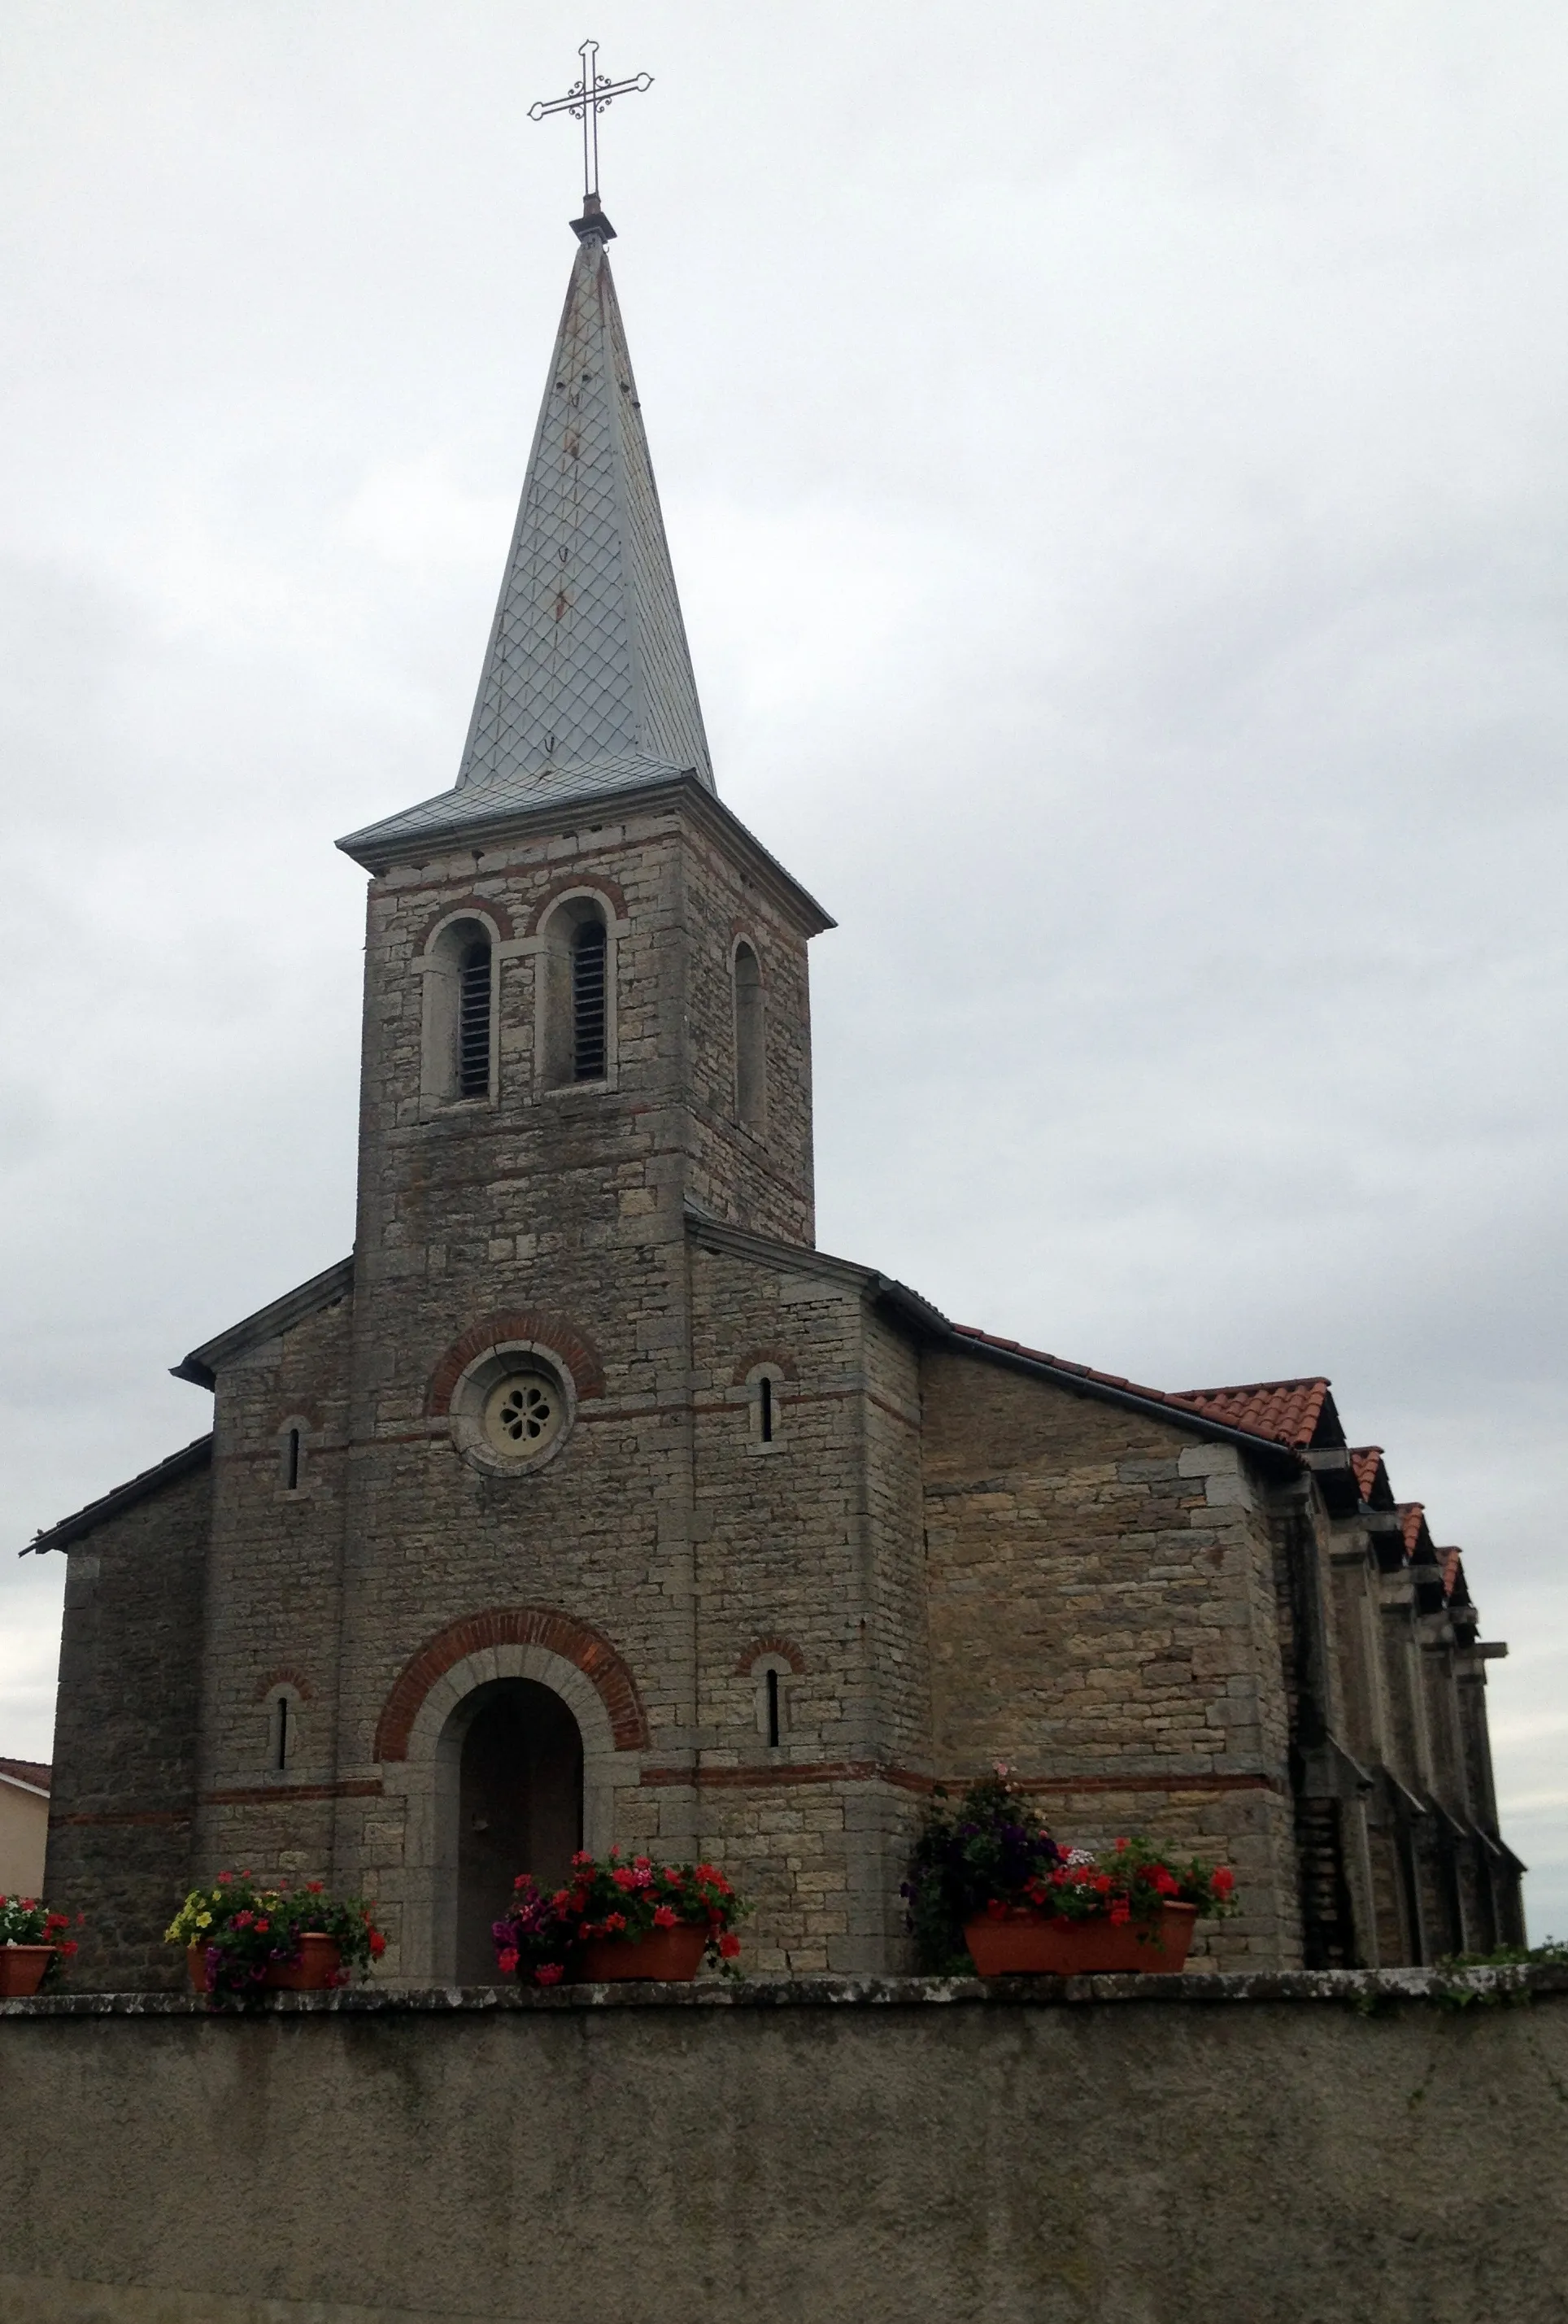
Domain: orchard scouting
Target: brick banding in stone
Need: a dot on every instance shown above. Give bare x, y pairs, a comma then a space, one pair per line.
784, 1646
514, 1626
493, 910
578, 1354
578, 883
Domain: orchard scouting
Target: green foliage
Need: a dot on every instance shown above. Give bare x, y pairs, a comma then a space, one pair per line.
1553, 1953
245, 1930
535, 1941
991, 1854
26, 1921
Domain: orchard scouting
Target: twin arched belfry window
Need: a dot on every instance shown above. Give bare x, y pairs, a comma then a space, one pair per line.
576, 1028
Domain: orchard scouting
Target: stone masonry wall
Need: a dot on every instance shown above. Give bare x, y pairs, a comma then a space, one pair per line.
271, 1611
1150, 2151
124, 1788
566, 1206
1102, 1616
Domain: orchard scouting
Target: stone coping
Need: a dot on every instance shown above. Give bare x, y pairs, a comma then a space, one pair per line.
1359, 1988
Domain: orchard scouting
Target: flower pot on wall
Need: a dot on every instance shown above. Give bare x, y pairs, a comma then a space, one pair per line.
1026, 1942
674, 1954
317, 1968
196, 1968
22, 1969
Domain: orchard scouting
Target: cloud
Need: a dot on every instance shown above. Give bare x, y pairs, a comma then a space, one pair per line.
1121, 515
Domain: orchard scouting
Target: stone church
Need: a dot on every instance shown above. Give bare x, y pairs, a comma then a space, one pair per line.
588, 1501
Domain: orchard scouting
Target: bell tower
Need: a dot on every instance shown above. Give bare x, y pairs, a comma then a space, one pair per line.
586, 1027
580, 966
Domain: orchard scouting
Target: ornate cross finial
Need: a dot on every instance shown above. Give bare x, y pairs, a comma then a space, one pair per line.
585, 101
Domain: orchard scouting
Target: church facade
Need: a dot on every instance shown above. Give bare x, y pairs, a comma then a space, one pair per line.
589, 1502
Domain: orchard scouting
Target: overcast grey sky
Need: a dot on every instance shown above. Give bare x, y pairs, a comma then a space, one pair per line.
1114, 461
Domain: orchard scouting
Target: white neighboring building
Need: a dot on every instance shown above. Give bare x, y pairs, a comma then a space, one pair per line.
23, 1826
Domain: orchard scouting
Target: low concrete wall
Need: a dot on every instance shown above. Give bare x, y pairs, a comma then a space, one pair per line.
1147, 2150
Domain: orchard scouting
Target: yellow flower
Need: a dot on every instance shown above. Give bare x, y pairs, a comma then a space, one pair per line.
204, 1920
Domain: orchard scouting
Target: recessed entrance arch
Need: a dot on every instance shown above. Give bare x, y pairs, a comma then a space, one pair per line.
509, 1765
423, 1727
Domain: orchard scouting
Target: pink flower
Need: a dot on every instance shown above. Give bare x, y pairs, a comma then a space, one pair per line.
729, 1946
664, 1916
506, 1960
623, 1877
549, 1972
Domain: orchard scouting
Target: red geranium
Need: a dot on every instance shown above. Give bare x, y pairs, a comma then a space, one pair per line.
624, 1901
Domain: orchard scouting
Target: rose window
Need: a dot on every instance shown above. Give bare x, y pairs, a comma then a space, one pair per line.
522, 1413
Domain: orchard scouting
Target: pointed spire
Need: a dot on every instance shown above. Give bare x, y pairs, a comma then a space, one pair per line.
587, 682
588, 659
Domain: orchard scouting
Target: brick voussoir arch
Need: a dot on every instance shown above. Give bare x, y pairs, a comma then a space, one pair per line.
513, 1626
493, 910
578, 1354
586, 881
785, 1649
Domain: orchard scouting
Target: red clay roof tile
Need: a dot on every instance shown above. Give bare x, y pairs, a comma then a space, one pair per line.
1290, 1411
35, 1772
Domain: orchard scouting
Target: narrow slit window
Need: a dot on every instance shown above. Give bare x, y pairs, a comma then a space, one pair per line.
765, 1419
291, 1461
474, 1022
588, 1019
772, 1710
751, 1045
283, 1760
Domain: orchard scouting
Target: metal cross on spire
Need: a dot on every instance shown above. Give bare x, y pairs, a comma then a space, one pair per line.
585, 101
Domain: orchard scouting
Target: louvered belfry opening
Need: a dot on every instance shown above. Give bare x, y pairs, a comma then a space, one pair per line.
588, 951
474, 1022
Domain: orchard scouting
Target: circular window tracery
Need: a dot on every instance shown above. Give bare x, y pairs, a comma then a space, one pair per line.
522, 1411
511, 1408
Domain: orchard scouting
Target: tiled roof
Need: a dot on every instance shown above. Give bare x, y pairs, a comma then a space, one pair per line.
1366, 1461
1293, 1412
587, 684
35, 1772
1413, 1530
1188, 1405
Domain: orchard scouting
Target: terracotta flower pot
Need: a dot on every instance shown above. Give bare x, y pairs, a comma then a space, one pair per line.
196, 1968
22, 1969
1027, 1942
315, 1970
674, 1954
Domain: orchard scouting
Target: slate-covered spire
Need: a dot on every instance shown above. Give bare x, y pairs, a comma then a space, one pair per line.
587, 683
588, 657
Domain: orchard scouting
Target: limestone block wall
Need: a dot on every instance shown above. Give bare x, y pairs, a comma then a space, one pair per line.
762, 1177
271, 1611
809, 1559
844, 2153
1104, 1616
124, 1794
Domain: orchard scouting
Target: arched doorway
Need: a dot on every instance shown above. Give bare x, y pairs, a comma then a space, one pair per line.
519, 1805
